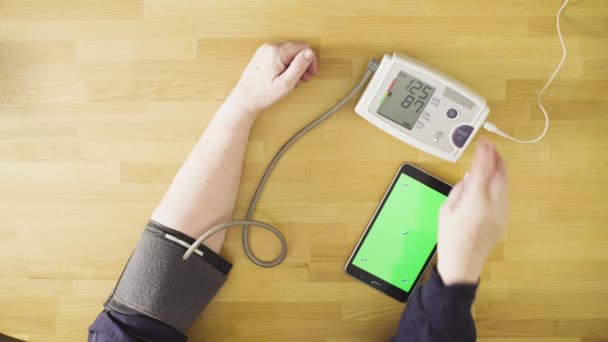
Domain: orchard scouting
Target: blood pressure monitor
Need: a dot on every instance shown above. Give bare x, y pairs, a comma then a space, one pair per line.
422, 107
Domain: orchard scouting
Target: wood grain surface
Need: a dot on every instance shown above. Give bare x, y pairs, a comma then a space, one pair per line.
101, 100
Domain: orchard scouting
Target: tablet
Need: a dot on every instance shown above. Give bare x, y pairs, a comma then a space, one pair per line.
401, 238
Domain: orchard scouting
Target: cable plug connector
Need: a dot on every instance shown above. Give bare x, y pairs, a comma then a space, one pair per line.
373, 65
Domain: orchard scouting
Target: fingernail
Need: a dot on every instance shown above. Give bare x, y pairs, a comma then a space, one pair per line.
308, 54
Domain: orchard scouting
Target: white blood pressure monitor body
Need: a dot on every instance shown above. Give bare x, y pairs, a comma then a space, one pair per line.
422, 107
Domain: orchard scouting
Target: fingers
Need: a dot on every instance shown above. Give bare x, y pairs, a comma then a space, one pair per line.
289, 50
454, 196
312, 69
483, 165
296, 69
497, 189
488, 173
457, 192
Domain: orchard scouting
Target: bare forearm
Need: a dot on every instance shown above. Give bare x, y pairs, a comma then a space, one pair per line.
204, 191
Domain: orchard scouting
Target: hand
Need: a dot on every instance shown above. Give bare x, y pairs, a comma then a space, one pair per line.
272, 73
473, 218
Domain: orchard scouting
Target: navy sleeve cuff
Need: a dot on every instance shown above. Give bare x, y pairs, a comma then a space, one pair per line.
113, 326
456, 296
438, 313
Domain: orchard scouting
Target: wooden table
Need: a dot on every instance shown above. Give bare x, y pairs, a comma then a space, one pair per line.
100, 102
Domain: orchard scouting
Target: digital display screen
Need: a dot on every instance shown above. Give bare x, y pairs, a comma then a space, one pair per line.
405, 100
403, 234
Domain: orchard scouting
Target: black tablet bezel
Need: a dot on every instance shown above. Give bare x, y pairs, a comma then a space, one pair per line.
368, 278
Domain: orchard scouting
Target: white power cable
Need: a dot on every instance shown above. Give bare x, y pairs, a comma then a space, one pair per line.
492, 127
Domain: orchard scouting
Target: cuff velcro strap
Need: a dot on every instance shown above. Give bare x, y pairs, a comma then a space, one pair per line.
157, 283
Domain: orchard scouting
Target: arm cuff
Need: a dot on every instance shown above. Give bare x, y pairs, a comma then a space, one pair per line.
157, 283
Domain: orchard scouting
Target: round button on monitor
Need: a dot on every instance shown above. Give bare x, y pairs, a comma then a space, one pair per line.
461, 135
452, 113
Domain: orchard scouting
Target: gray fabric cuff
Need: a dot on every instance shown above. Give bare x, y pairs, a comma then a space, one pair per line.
157, 283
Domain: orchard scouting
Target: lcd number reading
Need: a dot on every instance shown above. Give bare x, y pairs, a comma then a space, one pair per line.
416, 88
405, 100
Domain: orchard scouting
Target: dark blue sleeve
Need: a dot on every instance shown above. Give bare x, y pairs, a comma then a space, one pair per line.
112, 326
437, 313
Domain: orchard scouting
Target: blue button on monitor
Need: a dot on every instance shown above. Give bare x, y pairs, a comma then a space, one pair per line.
452, 113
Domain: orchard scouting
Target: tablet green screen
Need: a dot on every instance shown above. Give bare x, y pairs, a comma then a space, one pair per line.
403, 235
